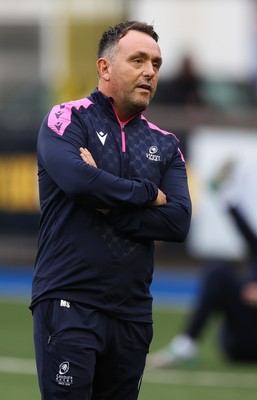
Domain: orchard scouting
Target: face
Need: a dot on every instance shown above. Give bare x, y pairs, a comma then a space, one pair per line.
132, 75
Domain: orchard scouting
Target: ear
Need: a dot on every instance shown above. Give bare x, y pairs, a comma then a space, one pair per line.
103, 68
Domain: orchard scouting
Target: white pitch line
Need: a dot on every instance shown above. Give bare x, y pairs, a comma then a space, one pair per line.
168, 377
17, 365
202, 378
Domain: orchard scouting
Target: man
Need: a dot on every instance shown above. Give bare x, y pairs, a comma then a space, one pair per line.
110, 183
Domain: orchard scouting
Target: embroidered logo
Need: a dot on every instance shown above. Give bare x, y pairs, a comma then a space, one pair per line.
61, 377
64, 367
102, 136
58, 126
151, 155
64, 303
58, 114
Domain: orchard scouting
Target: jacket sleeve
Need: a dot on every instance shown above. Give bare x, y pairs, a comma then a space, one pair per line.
169, 222
58, 155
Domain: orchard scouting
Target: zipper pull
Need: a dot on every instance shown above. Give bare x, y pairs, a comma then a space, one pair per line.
123, 140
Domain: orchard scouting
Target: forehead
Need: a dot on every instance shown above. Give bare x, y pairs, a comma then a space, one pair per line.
135, 41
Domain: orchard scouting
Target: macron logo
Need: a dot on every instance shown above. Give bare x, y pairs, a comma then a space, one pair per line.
102, 136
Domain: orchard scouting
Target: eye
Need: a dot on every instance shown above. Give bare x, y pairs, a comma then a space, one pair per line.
138, 61
156, 66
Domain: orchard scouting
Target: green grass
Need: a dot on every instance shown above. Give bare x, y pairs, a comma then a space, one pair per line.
210, 378
16, 341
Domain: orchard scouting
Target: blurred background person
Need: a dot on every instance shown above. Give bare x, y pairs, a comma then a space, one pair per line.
226, 290
185, 88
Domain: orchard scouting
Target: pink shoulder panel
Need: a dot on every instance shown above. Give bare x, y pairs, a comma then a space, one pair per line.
60, 115
152, 126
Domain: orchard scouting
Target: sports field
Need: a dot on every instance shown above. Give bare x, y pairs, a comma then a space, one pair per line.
209, 378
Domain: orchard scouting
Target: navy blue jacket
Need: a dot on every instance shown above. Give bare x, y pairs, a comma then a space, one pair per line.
105, 261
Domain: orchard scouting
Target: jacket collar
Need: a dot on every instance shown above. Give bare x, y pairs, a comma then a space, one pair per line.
106, 103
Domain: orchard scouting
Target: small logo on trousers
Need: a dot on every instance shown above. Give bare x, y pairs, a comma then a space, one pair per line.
64, 303
61, 377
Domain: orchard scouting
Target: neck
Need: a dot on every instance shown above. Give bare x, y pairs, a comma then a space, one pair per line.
123, 113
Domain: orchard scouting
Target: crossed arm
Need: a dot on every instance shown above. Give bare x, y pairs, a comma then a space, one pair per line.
88, 158
167, 218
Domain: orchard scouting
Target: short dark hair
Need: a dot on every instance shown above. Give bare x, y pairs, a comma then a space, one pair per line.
111, 36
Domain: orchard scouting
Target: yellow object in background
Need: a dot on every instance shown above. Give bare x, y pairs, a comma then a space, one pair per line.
18, 183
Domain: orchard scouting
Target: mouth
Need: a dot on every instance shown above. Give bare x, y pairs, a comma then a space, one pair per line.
146, 87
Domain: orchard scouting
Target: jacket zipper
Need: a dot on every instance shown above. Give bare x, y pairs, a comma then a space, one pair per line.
123, 138
122, 126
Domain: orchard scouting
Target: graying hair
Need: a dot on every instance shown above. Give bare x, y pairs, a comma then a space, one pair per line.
109, 39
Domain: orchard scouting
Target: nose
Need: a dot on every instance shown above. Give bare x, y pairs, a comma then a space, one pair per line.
149, 70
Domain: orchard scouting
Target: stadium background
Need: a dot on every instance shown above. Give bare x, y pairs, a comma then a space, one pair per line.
47, 53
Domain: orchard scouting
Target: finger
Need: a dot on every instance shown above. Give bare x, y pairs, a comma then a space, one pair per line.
84, 158
87, 157
84, 151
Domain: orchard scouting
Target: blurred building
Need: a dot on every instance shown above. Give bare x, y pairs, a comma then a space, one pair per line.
48, 54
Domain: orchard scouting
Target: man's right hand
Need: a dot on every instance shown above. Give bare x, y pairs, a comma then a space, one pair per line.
160, 199
87, 157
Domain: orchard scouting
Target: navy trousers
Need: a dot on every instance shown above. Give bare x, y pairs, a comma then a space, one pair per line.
83, 354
